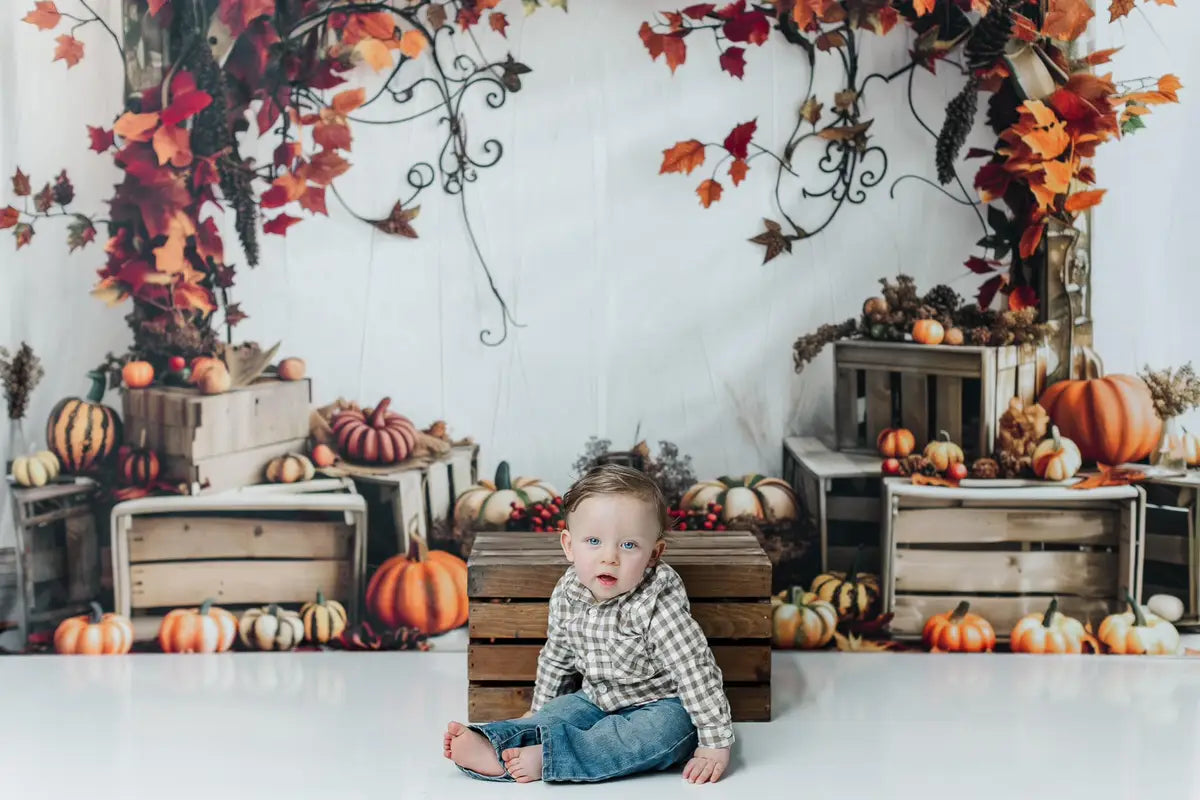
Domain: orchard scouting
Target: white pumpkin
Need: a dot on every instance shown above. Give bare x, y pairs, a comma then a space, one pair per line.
270, 628
35, 470
491, 502
753, 495
1166, 606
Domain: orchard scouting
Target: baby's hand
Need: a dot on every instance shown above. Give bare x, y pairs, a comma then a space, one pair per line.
707, 765
526, 715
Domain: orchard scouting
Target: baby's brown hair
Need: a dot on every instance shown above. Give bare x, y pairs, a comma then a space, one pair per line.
615, 479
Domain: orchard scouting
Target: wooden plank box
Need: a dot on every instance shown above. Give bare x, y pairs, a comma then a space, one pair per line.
1172, 564
246, 548
56, 553
511, 575
930, 388
220, 441
840, 494
1008, 551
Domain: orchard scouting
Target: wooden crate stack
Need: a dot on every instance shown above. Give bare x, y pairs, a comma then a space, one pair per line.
260, 545
1172, 564
1008, 551
510, 577
840, 495
962, 390
221, 441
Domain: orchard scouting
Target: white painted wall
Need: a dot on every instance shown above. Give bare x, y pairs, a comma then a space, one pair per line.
639, 305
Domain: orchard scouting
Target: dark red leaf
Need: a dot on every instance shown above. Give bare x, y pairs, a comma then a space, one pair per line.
20, 182
280, 224
738, 140
324, 77
752, 27
699, 11
733, 61
186, 106
987, 292
1022, 297
732, 10
101, 139
979, 152
981, 266
275, 197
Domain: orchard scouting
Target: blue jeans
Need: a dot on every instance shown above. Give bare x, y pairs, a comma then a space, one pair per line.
581, 742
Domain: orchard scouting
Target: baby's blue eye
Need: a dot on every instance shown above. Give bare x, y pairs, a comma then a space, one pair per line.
631, 545
592, 540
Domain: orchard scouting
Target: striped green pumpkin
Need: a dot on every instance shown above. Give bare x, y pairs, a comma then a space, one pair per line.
83, 433
323, 620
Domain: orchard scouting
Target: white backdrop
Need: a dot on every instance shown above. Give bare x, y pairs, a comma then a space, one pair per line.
638, 305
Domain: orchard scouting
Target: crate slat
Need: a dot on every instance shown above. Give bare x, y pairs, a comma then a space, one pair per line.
1168, 549
1086, 574
518, 662
846, 408
172, 538
948, 415
914, 405
490, 703
529, 620
710, 580
979, 525
235, 581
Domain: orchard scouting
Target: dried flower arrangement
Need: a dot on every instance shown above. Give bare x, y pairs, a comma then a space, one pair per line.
890, 317
671, 471
1174, 391
20, 374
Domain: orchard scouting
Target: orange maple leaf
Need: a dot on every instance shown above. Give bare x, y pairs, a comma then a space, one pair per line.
676, 51
136, 127
709, 191
412, 43
69, 50
1101, 56
1031, 238
1045, 134
1081, 201
174, 145
738, 170
1021, 298
191, 296
1118, 9
923, 7
168, 258
44, 15
1057, 175
652, 40
345, 102
375, 53
376, 25
499, 23
1067, 19
683, 157
325, 166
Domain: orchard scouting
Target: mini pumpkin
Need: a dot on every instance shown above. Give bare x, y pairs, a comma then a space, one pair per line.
749, 496
323, 456
1056, 458
83, 434
270, 628
928, 331
1138, 632
491, 502
954, 336
1051, 632
895, 442
942, 452
35, 470
290, 468
212, 377
806, 623
94, 634
137, 466
959, 631
291, 369
207, 629
137, 374
854, 595
423, 589
323, 620
374, 436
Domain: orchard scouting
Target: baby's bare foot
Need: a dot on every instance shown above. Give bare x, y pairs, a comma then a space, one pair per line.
524, 763
471, 750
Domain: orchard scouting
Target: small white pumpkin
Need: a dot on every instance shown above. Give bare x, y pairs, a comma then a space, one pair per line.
35, 470
1166, 606
751, 495
270, 628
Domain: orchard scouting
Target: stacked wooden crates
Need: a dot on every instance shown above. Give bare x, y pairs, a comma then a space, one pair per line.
511, 575
1172, 564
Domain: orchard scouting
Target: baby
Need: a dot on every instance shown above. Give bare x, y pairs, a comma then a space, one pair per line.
652, 694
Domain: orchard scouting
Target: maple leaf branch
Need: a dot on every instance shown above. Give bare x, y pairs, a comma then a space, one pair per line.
111, 32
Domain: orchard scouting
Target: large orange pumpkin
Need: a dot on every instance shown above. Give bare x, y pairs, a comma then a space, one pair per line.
94, 634
1110, 419
83, 433
207, 629
425, 589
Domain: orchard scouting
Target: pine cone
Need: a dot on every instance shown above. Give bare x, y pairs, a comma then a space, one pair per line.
960, 118
944, 299
918, 464
981, 336
985, 468
990, 36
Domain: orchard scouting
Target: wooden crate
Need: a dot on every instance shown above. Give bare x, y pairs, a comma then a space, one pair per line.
1008, 551
510, 577
56, 553
221, 441
961, 390
260, 545
839, 493
417, 497
1172, 564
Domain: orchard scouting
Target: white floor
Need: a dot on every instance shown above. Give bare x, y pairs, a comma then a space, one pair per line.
368, 725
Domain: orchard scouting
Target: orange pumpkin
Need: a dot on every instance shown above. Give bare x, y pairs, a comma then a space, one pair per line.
1111, 419
323, 456
928, 331
895, 442
959, 631
83, 434
207, 629
94, 634
1138, 632
1056, 458
806, 623
137, 466
137, 374
1051, 632
425, 589
942, 452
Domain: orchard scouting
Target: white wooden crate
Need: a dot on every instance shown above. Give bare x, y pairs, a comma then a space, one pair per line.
270, 543
1008, 551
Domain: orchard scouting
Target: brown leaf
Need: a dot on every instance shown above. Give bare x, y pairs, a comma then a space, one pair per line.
397, 223
828, 41
44, 199
313, 200
436, 14
773, 240
926, 480
845, 99
844, 133
1118, 9
811, 110
246, 361
24, 233
857, 644
709, 192
234, 314
499, 23
20, 182
682, 157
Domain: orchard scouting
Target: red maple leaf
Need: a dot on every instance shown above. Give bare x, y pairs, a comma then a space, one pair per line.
751, 26
732, 10
325, 166
987, 292
101, 139
499, 23
1022, 297
20, 183
738, 140
279, 225
733, 61
699, 11
313, 200
676, 49
9, 217
981, 266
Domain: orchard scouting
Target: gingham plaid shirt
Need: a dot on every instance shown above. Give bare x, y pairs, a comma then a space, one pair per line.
633, 649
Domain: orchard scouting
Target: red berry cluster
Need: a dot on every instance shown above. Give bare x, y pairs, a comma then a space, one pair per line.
695, 520
540, 517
